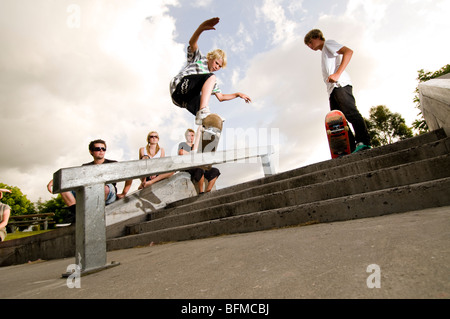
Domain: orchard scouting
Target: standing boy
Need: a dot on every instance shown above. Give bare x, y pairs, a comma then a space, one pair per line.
194, 85
335, 58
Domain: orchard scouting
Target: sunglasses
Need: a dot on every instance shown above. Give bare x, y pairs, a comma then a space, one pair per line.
98, 149
154, 136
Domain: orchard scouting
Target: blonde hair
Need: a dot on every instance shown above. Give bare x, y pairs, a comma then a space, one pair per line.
148, 143
218, 54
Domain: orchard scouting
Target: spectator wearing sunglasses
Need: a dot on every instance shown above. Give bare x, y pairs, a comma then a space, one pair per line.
152, 150
97, 149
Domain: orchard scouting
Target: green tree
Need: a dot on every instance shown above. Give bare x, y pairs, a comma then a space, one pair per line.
419, 124
386, 127
55, 205
19, 203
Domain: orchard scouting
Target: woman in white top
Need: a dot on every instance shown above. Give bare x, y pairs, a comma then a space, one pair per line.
152, 150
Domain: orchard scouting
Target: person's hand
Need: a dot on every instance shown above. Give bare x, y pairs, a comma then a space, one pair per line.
4, 190
209, 24
333, 78
245, 97
50, 187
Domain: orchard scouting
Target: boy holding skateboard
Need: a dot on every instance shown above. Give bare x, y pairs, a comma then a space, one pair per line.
335, 58
193, 86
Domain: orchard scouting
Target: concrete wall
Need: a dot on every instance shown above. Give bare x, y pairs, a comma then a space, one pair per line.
435, 102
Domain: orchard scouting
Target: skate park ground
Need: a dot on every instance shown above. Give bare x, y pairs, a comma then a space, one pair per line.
327, 261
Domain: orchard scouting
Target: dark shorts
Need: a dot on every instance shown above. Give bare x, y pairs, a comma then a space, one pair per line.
188, 92
197, 173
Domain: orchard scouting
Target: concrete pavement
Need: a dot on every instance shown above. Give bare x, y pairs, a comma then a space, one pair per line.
409, 252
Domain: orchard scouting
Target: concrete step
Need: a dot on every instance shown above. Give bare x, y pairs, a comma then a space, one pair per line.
407, 145
398, 169
381, 202
319, 189
311, 175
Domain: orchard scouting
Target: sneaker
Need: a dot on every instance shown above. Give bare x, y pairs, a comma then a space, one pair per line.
69, 218
204, 112
361, 147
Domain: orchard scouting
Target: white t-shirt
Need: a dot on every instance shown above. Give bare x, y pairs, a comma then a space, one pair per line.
331, 60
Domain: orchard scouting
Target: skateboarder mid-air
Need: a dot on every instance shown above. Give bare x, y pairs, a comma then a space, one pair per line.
335, 58
193, 86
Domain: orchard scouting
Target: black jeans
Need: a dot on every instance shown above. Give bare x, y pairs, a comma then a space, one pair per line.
342, 99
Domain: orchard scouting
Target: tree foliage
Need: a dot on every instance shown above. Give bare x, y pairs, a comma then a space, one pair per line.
385, 127
19, 203
422, 76
55, 205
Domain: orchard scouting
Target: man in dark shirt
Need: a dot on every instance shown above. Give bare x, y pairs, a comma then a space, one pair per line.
97, 149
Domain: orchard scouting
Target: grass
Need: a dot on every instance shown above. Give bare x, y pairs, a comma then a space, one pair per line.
19, 234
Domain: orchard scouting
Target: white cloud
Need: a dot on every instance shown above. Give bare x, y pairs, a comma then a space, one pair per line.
284, 29
63, 86
202, 3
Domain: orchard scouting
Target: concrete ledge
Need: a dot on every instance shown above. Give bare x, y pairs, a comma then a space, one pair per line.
435, 102
55, 244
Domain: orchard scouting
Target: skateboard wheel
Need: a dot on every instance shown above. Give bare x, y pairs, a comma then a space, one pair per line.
328, 132
346, 128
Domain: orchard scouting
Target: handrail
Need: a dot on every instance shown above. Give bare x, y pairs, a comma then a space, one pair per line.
88, 183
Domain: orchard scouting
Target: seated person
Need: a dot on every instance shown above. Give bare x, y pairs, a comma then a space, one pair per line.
5, 212
97, 149
152, 150
198, 174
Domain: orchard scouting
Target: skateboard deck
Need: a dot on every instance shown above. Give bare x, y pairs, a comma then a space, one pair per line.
337, 131
211, 130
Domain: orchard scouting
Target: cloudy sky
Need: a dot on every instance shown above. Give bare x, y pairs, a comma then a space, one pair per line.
76, 70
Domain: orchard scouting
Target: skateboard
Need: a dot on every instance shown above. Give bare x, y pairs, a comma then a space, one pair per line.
337, 131
211, 130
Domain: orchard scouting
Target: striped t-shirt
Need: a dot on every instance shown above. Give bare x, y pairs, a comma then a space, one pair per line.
196, 64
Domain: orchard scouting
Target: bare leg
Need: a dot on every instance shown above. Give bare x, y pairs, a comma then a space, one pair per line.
211, 184
68, 198
106, 191
197, 138
206, 91
200, 185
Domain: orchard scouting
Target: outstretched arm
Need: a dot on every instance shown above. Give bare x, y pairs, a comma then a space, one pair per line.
226, 97
346, 57
206, 25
